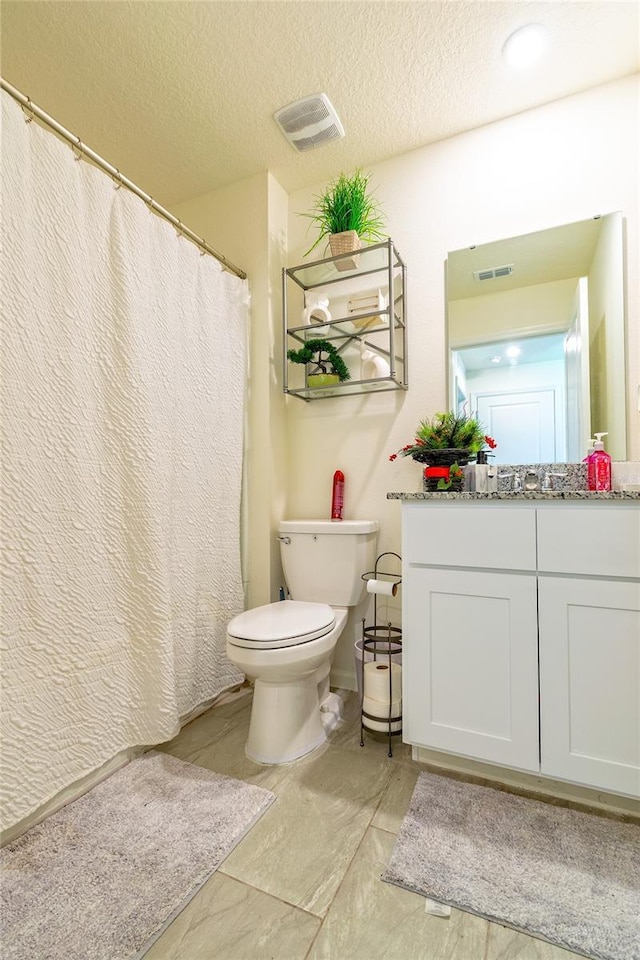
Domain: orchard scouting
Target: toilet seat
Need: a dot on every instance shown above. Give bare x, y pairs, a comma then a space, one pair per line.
286, 623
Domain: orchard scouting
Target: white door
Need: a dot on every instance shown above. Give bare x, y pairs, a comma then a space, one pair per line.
470, 669
590, 682
523, 423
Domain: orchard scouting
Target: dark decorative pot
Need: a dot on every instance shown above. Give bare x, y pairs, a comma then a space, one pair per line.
438, 463
444, 457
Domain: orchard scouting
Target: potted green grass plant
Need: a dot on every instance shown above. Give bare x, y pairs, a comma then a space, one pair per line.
436, 439
332, 368
347, 213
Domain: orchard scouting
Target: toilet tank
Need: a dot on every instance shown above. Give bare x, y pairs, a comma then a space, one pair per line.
324, 560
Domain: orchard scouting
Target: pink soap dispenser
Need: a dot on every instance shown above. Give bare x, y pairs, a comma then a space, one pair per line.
601, 466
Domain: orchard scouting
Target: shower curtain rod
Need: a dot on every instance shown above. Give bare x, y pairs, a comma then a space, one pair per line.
115, 174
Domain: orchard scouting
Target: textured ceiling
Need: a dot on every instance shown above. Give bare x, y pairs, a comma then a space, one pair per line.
180, 95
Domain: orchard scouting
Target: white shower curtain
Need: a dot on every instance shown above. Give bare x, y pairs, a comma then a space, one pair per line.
123, 385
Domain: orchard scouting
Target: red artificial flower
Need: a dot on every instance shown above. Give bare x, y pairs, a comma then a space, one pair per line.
490, 442
393, 456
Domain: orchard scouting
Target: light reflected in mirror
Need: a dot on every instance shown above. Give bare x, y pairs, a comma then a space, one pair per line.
535, 328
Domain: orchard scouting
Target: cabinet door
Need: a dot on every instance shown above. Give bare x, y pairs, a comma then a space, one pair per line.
470, 664
590, 682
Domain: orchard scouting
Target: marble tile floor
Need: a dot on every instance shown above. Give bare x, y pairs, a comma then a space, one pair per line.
304, 884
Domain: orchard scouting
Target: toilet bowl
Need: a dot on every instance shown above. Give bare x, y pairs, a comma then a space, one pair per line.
286, 648
289, 665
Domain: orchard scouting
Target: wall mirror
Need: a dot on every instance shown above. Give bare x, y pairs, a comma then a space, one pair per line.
536, 340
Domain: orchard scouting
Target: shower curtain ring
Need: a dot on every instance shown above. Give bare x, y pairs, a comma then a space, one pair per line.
29, 106
203, 248
179, 232
79, 155
151, 204
119, 180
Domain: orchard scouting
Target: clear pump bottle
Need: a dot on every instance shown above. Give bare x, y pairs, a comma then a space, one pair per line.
600, 475
481, 476
591, 479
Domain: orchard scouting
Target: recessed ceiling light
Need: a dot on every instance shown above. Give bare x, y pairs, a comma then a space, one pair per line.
525, 46
496, 359
513, 352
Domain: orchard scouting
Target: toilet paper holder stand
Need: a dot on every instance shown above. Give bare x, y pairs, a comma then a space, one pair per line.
383, 642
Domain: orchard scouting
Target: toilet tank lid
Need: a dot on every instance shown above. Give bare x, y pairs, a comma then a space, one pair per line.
328, 526
282, 620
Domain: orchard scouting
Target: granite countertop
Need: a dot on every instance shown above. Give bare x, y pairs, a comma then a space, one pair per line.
569, 478
510, 495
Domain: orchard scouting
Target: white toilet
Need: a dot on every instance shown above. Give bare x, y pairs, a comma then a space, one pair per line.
287, 647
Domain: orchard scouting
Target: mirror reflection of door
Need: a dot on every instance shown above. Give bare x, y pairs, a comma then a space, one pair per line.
517, 389
561, 286
525, 423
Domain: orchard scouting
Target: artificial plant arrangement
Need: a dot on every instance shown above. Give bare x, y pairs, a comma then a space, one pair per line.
312, 352
347, 207
446, 442
446, 431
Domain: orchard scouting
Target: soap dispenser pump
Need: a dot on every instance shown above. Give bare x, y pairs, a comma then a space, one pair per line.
600, 463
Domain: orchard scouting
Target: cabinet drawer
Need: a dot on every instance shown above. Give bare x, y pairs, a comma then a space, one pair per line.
496, 536
597, 540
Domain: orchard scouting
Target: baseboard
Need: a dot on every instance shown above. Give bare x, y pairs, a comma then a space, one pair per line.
531, 783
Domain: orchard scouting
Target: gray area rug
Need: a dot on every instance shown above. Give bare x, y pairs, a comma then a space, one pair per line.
103, 877
560, 875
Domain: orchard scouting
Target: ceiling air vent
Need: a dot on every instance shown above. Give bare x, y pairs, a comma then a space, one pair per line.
493, 272
310, 122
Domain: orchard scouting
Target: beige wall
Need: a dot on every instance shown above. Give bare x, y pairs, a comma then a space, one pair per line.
558, 164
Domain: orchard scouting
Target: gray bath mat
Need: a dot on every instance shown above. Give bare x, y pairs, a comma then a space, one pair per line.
103, 877
560, 875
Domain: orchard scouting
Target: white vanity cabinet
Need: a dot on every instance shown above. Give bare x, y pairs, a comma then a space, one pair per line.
522, 635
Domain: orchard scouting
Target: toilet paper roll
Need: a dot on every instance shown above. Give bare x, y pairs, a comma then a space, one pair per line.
386, 587
376, 681
377, 709
381, 710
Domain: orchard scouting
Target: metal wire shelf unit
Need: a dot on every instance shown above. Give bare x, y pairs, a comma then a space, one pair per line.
382, 330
